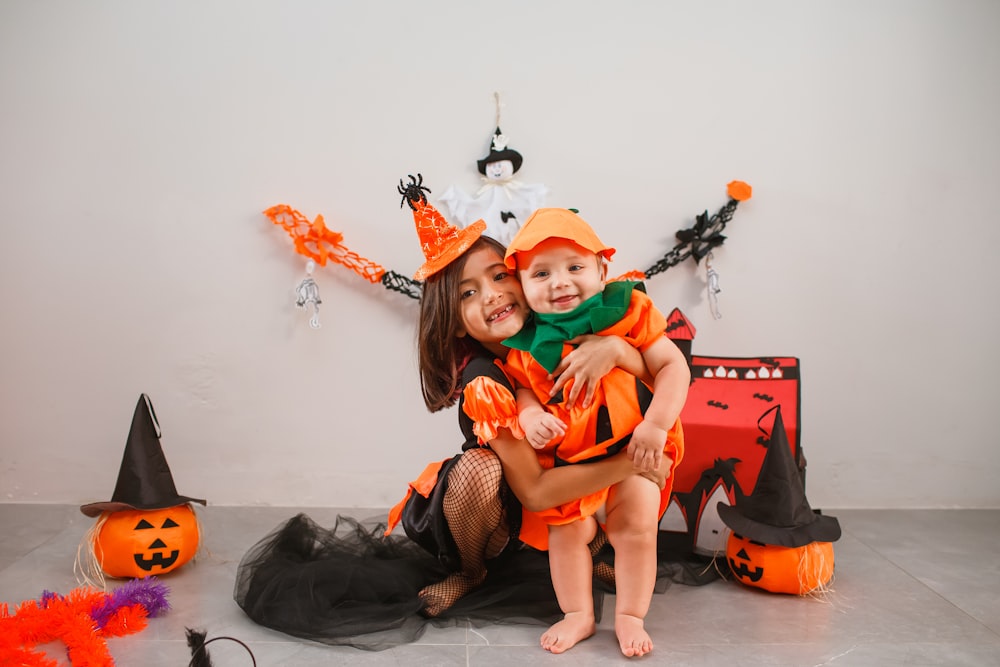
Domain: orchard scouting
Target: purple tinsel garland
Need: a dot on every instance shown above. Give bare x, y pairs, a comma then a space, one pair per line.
149, 593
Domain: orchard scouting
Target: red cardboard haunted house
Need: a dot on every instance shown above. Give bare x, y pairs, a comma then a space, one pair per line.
723, 447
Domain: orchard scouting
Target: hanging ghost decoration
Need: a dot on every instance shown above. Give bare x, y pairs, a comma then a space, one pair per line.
502, 202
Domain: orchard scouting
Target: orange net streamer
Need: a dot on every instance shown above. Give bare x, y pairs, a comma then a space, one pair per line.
634, 274
315, 241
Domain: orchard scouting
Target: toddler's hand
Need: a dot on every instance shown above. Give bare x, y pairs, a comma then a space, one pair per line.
541, 428
646, 446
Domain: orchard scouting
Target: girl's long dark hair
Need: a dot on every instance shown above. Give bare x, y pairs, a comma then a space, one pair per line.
441, 353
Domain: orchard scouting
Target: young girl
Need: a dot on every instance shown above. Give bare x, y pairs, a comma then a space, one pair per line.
561, 263
470, 304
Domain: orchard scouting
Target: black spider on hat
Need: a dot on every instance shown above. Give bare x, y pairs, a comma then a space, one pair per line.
413, 191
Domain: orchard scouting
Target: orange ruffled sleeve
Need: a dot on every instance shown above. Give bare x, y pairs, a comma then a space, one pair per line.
491, 407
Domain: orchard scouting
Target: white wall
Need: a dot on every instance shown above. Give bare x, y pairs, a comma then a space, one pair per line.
139, 143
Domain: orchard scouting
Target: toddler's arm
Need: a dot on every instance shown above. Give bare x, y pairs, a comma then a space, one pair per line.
670, 385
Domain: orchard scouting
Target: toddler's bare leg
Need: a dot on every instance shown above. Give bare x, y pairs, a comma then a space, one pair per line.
632, 526
572, 572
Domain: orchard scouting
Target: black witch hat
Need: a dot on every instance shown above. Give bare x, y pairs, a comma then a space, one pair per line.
777, 512
144, 479
499, 151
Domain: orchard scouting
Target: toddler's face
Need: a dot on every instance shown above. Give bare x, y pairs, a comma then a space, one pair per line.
558, 275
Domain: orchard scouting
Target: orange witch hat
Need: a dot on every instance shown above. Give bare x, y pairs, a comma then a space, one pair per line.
440, 241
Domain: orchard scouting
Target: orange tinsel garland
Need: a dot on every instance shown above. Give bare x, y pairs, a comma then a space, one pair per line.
82, 620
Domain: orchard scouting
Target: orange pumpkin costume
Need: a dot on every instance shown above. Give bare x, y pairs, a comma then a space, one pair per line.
592, 433
620, 401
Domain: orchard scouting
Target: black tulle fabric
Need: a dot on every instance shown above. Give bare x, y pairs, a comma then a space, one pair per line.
350, 585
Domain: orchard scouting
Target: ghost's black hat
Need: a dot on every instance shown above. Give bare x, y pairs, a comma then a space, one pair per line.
777, 512
498, 152
144, 479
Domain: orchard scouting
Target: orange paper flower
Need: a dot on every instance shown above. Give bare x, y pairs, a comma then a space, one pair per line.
739, 190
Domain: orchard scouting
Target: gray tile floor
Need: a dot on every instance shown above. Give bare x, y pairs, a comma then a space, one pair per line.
911, 588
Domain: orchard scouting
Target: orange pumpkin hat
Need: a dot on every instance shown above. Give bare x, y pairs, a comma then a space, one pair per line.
440, 241
777, 512
144, 479
562, 223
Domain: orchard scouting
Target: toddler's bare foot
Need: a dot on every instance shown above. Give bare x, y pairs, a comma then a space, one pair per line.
567, 633
439, 597
632, 636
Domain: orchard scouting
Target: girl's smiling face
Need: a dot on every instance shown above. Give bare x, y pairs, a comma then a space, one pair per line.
491, 302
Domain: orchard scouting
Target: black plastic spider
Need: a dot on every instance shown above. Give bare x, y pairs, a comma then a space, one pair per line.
413, 191
705, 235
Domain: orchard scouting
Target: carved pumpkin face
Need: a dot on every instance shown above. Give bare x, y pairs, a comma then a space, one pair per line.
140, 543
796, 571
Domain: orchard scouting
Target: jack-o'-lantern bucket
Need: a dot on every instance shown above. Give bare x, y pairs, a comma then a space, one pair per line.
139, 543
146, 528
792, 570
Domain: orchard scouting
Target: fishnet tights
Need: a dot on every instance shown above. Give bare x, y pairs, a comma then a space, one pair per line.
474, 510
602, 571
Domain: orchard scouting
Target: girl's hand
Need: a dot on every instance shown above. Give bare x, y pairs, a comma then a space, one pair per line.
660, 475
592, 359
646, 446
